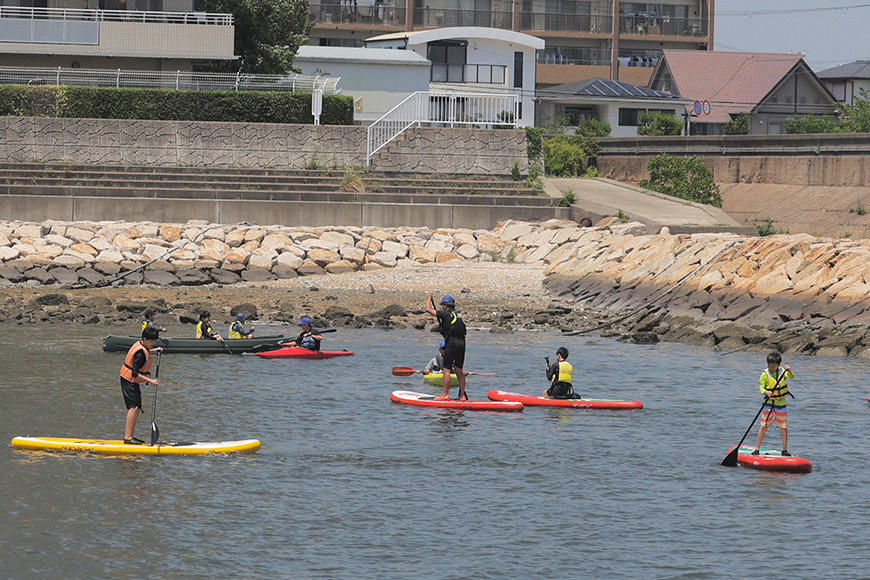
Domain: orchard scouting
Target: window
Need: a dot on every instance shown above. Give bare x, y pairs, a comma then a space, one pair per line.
448, 61
629, 117
518, 70
573, 115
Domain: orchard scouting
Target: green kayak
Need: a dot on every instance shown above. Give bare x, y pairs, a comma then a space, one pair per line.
114, 343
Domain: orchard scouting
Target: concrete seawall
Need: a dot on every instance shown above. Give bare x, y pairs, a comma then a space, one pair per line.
798, 294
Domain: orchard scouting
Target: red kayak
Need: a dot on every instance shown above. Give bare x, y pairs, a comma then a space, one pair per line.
771, 460
421, 400
540, 401
299, 352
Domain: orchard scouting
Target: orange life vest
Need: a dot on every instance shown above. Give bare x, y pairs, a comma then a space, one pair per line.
127, 368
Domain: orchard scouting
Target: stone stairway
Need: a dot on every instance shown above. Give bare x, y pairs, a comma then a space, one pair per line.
260, 184
318, 197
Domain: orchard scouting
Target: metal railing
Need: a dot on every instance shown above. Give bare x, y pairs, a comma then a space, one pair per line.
536, 21
446, 109
178, 80
493, 74
383, 13
446, 17
643, 25
23, 13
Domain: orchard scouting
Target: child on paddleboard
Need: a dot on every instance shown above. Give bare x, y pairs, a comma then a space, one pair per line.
772, 386
559, 375
134, 372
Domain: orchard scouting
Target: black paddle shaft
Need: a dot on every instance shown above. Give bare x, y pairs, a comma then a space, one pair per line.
155, 432
731, 459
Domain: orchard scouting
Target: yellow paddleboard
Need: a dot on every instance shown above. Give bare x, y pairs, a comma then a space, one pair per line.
118, 447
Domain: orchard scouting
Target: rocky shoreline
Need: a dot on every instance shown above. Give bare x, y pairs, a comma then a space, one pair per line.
798, 294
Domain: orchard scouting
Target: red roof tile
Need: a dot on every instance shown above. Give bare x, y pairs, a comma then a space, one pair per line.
733, 82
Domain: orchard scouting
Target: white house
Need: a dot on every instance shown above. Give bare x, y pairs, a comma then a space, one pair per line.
378, 80
474, 59
619, 104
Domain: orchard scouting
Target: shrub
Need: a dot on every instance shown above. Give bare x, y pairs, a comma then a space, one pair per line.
568, 155
158, 104
567, 199
659, 124
515, 171
534, 142
765, 227
812, 124
683, 177
593, 128
739, 125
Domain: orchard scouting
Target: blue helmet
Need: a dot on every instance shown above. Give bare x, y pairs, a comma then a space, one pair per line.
240, 317
448, 299
305, 320
442, 345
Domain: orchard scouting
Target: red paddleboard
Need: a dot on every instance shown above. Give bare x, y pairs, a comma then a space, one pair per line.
421, 400
540, 401
772, 460
299, 352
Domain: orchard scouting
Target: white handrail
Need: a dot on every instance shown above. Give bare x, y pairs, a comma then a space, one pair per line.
448, 109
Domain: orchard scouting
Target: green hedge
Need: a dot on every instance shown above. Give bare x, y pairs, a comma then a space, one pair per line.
158, 104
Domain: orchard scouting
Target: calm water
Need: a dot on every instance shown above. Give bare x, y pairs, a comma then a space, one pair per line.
348, 485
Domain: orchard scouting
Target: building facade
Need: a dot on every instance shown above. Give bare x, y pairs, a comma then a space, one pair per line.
148, 35
583, 38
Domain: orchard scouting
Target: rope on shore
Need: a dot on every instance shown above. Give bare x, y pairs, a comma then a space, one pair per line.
657, 298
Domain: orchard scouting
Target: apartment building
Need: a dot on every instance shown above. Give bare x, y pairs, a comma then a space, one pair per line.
148, 35
583, 39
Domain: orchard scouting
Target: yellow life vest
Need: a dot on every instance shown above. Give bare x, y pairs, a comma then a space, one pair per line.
203, 332
564, 374
233, 334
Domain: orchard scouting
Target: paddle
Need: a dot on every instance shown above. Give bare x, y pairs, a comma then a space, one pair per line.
155, 432
226, 346
408, 371
731, 459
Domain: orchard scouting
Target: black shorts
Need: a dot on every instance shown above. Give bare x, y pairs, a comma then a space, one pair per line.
132, 394
454, 356
560, 390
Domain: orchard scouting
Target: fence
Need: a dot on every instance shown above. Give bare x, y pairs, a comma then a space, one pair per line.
178, 80
441, 109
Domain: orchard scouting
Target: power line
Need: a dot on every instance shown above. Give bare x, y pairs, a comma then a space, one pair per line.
752, 13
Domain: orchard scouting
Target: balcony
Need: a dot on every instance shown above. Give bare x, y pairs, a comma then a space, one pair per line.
373, 14
490, 74
126, 33
644, 25
536, 22
444, 17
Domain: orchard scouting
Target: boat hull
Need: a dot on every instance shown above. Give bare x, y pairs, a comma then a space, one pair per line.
113, 343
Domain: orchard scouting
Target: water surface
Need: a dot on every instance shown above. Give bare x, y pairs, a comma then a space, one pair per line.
349, 485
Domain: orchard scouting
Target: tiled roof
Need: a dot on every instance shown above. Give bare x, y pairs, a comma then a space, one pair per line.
599, 87
733, 82
860, 69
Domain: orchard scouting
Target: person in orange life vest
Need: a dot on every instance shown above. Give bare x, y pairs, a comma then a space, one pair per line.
134, 372
149, 320
772, 386
452, 328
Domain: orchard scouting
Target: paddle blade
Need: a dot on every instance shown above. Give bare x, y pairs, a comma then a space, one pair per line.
403, 371
731, 459
155, 433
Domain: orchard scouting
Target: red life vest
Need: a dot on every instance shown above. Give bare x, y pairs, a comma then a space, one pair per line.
127, 368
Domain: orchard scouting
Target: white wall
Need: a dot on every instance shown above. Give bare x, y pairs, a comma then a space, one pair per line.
381, 86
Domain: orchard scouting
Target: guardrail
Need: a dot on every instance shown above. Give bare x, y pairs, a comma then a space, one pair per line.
445, 109
178, 80
23, 13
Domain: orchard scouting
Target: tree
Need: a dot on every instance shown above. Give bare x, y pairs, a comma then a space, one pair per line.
738, 125
658, 124
812, 124
683, 177
268, 34
856, 118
